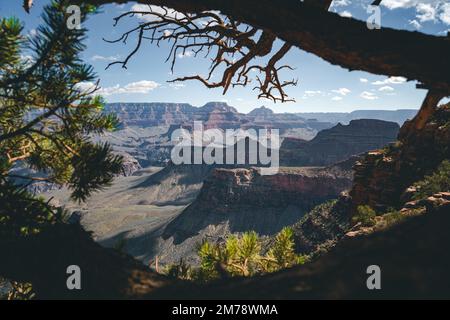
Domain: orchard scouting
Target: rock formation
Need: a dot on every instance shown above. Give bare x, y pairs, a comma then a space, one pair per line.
130, 164
151, 114
238, 200
323, 227
213, 115
384, 175
399, 116
338, 143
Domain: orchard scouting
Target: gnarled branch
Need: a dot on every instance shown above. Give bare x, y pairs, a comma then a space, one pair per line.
340, 41
233, 47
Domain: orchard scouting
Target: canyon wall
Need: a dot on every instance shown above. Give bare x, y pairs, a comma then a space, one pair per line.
338, 143
213, 115
383, 176
239, 200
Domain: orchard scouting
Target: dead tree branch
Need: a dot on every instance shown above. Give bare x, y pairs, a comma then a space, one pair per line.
233, 48
340, 41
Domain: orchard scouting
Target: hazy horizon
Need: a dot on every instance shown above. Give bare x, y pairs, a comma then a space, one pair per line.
299, 110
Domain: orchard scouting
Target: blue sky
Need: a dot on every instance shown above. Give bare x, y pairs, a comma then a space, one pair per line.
321, 87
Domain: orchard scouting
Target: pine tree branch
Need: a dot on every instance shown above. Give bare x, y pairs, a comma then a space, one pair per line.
32, 123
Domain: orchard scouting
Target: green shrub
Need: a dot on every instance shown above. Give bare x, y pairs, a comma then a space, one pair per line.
240, 256
181, 270
282, 252
437, 182
365, 215
393, 217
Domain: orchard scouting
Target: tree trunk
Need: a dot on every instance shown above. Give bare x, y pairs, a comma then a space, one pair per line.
426, 110
428, 107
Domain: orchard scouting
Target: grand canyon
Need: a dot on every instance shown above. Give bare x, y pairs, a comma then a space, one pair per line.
224, 150
158, 210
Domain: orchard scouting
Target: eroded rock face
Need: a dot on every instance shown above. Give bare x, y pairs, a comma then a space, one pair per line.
42, 186
244, 200
130, 164
382, 180
151, 114
213, 115
323, 227
338, 143
399, 116
383, 176
438, 202
217, 114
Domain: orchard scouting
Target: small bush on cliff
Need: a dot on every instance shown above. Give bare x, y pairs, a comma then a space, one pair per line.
240, 256
392, 217
282, 253
437, 182
181, 270
365, 216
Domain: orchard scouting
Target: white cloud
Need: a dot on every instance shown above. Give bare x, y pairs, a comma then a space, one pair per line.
342, 91
98, 57
186, 54
107, 91
390, 80
416, 24
144, 86
312, 93
177, 86
363, 80
445, 13
425, 12
395, 4
167, 33
340, 3
368, 95
396, 80
336, 98
33, 32
345, 14
85, 86
386, 89
160, 10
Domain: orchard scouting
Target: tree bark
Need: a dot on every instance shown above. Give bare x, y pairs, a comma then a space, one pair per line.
428, 107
